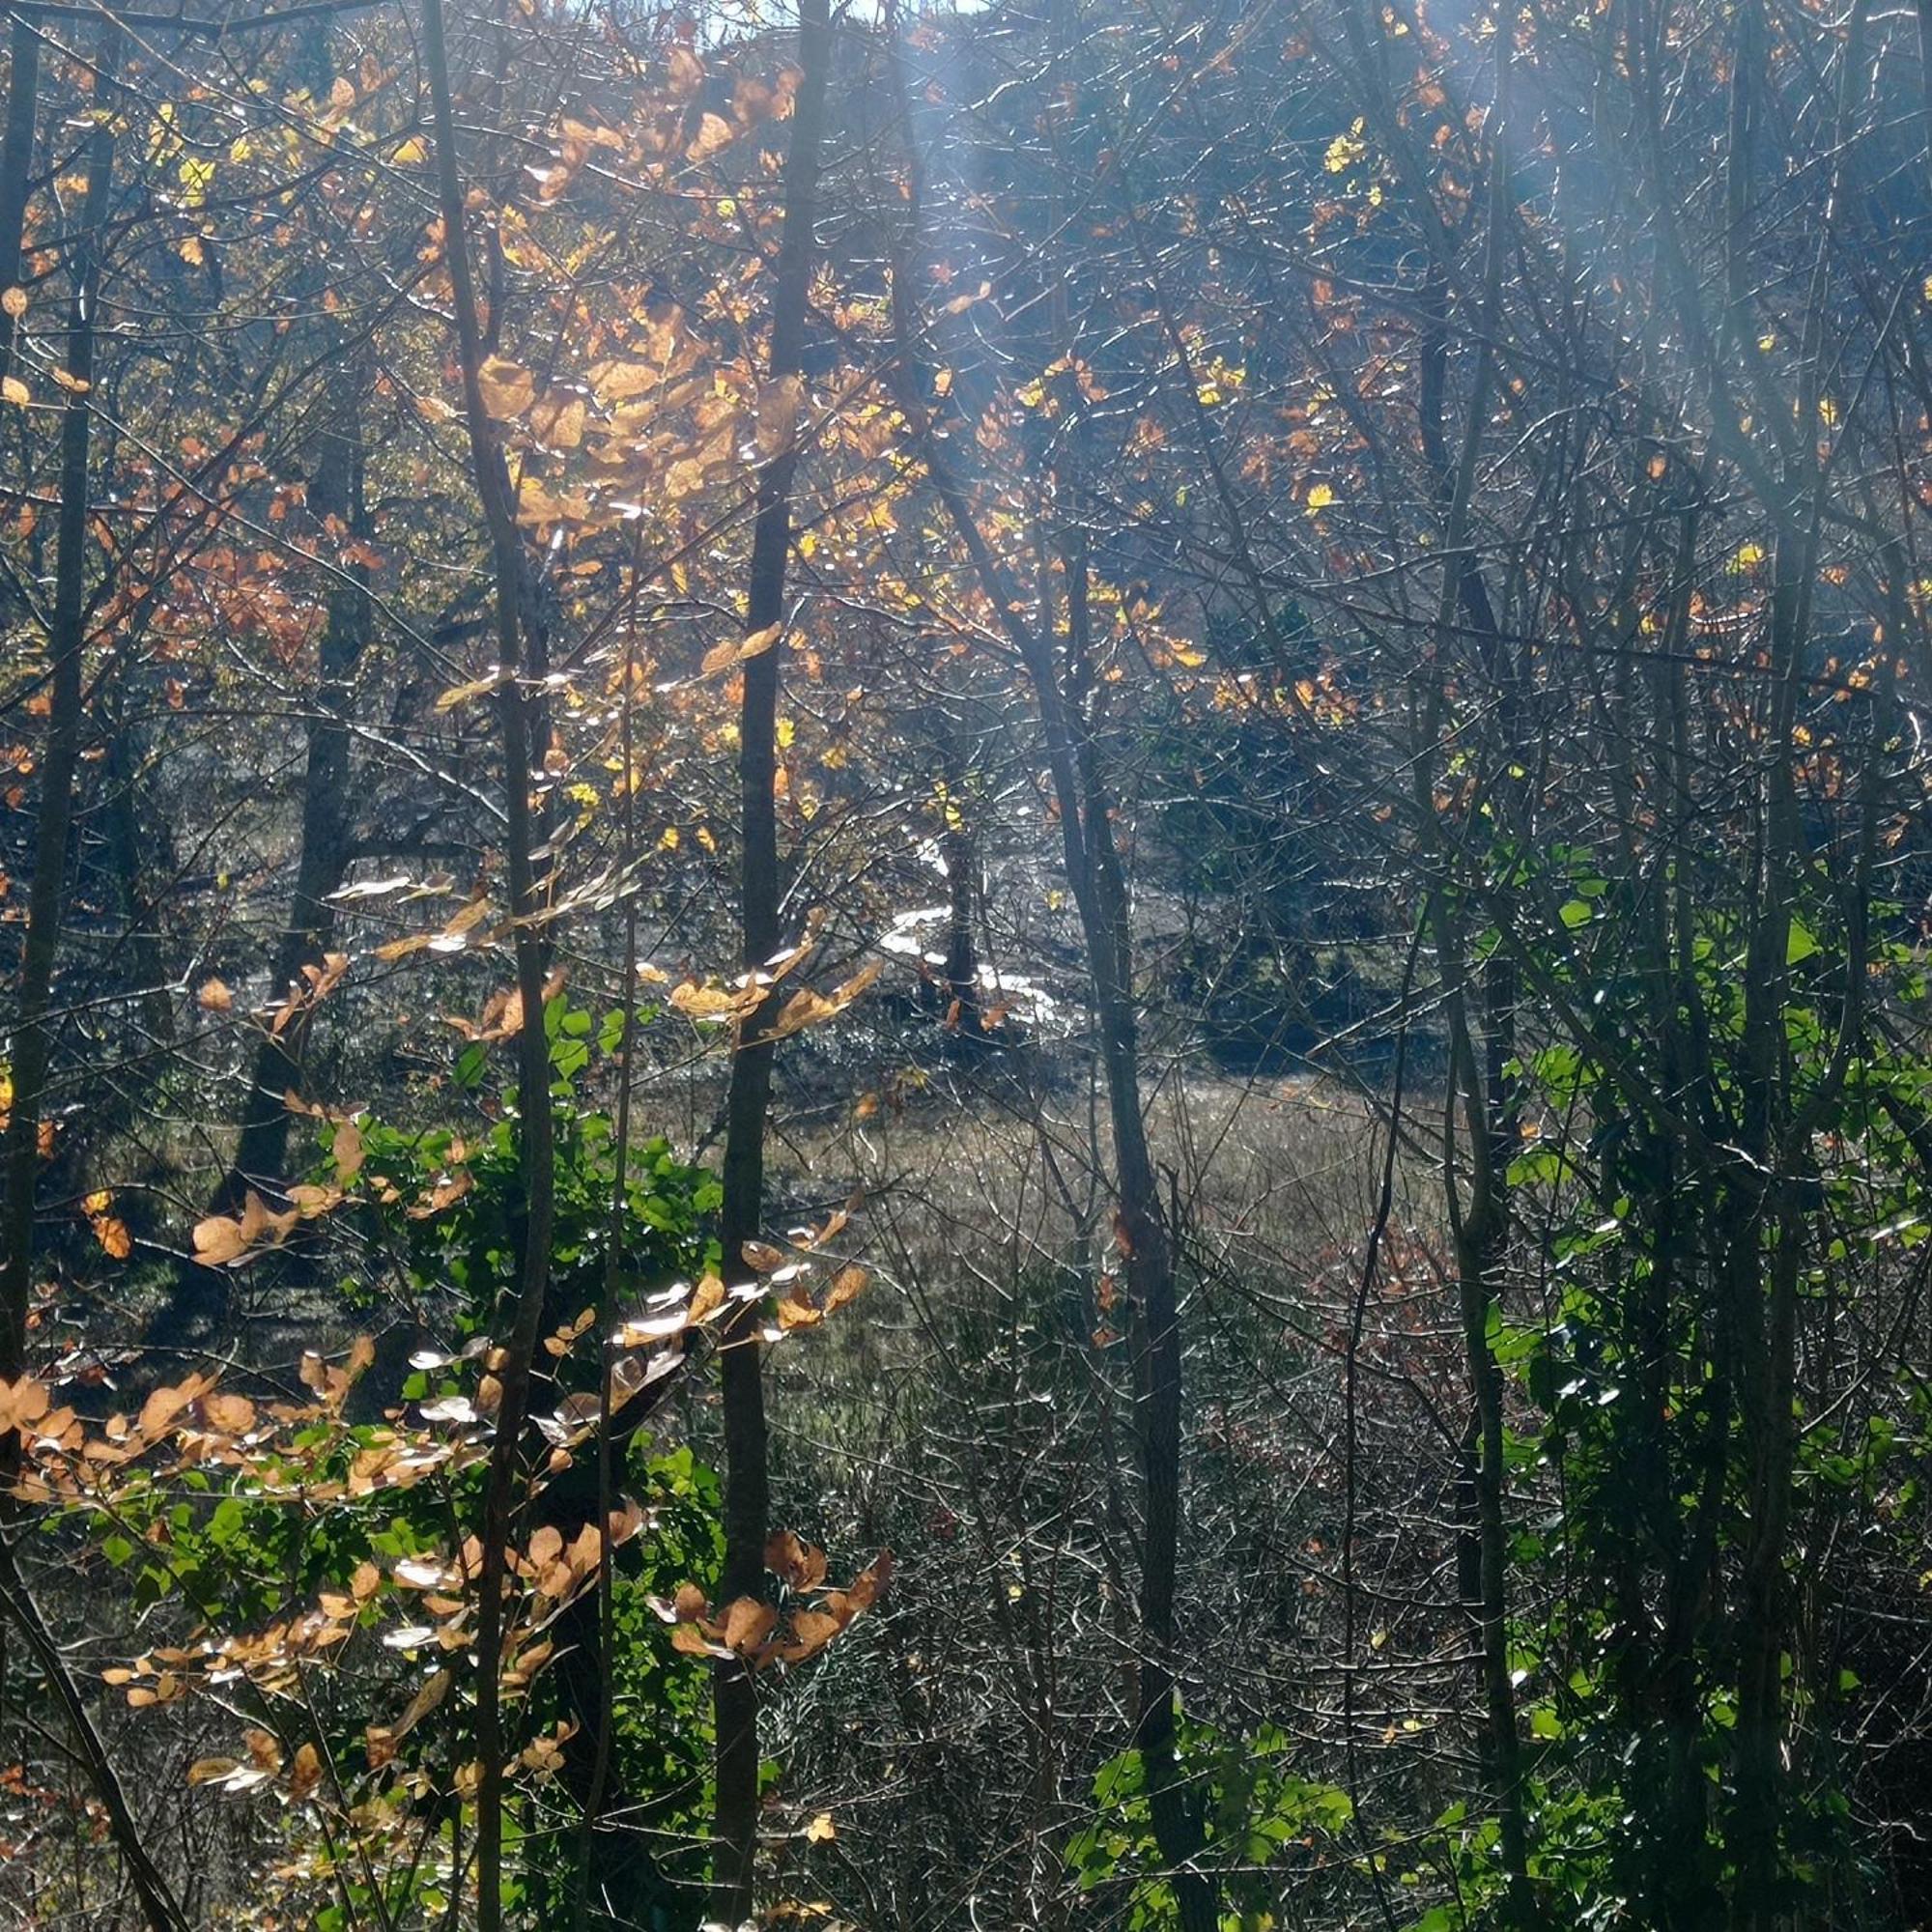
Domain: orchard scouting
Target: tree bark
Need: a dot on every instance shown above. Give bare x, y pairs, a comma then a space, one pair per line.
747, 1482
335, 493
536, 1142
67, 640
1141, 1238
32, 1032
16, 165
157, 1903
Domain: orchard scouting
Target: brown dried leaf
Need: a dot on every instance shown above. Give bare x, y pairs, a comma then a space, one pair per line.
508, 388
715, 133
846, 1284
797, 1310
747, 1623
305, 1773
231, 1414
346, 1151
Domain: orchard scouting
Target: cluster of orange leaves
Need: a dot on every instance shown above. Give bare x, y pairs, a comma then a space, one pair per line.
67, 1459
737, 1001
284, 1450
748, 1627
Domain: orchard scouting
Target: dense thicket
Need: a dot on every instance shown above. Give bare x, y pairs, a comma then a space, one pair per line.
966, 968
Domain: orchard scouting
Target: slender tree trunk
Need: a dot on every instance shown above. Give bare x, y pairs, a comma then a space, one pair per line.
958, 852
32, 1032
198, 1296
157, 1899
536, 1142
128, 846
16, 165
335, 493
1765, 1303
33, 1026
1141, 1235
741, 1218
1778, 1128
1482, 1234
616, 1870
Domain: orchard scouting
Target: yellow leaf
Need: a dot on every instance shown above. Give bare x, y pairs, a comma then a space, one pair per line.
1344, 151
1319, 498
812, 1631
462, 693
710, 1002
821, 1830
686, 73
411, 153
22, 1401
13, 390
421, 1705
162, 1407
219, 1240
618, 382
14, 302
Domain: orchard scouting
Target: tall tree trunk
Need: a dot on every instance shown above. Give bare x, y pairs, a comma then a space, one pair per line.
16, 164
1485, 1084
33, 1028
128, 846
618, 1881
151, 1890
33, 1031
535, 1128
747, 1482
199, 1295
1141, 1238
335, 494
1482, 1254
1766, 1271
958, 853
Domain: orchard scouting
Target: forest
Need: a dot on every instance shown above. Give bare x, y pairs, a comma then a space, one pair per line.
966, 965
